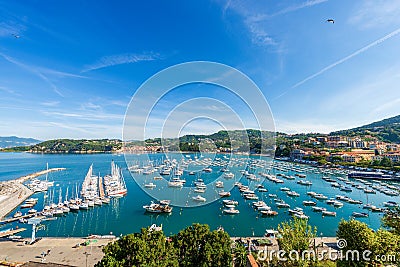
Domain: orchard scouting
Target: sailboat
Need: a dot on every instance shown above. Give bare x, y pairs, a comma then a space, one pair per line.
66, 202
115, 182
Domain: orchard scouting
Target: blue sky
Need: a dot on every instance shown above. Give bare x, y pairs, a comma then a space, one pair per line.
75, 66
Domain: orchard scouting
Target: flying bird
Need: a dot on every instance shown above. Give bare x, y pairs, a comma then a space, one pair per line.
16, 35
330, 20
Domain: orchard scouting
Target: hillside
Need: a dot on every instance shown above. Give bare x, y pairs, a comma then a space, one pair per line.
14, 141
237, 139
72, 146
386, 130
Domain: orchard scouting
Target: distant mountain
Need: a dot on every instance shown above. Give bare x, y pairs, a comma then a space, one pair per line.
386, 130
14, 141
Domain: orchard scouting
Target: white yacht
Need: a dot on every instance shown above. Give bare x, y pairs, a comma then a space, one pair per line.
199, 198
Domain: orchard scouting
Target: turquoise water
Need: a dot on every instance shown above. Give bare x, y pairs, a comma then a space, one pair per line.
126, 215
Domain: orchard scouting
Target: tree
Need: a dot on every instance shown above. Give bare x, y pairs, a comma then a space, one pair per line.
198, 246
240, 253
194, 246
391, 220
357, 236
386, 243
296, 235
140, 249
386, 162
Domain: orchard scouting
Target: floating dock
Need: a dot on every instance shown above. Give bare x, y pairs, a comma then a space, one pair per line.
11, 232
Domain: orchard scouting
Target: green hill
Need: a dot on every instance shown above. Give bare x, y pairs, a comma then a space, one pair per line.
72, 146
239, 140
386, 130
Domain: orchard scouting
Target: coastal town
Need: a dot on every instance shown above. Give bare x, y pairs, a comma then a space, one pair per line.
215, 133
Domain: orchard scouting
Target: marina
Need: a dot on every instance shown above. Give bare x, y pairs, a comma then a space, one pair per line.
248, 211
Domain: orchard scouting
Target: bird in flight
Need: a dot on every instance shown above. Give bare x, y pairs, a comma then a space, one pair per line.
330, 20
16, 35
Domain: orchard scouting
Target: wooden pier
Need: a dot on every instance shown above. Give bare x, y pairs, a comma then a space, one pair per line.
13, 219
11, 232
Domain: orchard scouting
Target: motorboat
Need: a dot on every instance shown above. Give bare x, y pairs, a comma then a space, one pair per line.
224, 194
231, 211
360, 214
229, 175
165, 202
334, 202
318, 209
175, 184
31, 211
309, 203
320, 197
328, 213
282, 205
199, 198
150, 185
219, 184
292, 194
157, 208
269, 212
251, 196
258, 204
390, 204
84, 206
199, 190
17, 214
230, 202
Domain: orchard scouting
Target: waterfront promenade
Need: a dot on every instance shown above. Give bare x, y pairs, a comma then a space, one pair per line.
65, 250
61, 251
14, 192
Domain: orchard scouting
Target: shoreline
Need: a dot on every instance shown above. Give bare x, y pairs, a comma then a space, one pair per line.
13, 192
64, 250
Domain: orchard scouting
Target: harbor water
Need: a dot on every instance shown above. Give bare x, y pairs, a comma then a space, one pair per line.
126, 215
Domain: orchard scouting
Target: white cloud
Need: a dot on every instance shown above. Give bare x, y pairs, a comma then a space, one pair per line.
5, 89
87, 116
10, 28
42, 73
306, 126
108, 61
253, 19
376, 13
387, 106
356, 53
50, 103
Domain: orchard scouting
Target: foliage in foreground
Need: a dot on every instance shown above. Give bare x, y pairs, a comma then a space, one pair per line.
194, 246
391, 220
295, 235
382, 245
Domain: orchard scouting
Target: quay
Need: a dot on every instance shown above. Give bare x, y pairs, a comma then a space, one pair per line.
11, 232
63, 251
68, 252
36, 174
10, 220
13, 192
